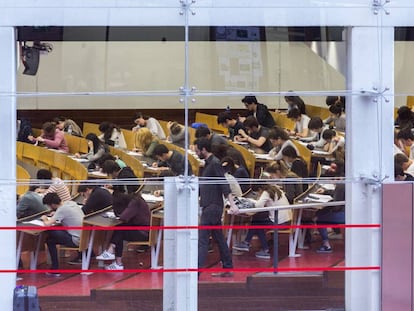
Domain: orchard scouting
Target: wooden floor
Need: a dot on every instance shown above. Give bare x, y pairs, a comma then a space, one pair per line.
253, 290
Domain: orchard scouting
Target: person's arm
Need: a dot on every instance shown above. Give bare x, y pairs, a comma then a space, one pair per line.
56, 142
255, 142
261, 202
93, 157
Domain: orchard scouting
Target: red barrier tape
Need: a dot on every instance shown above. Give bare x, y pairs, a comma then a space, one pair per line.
90, 228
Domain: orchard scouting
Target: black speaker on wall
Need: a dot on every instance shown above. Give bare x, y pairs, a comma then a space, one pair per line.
30, 59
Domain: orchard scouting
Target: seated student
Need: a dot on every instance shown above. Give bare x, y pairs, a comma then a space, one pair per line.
278, 170
96, 148
239, 172
400, 175
317, 128
301, 120
24, 130
51, 137
145, 142
295, 163
176, 134
68, 214
335, 100
52, 185
295, 102
406, 163
95, 198
30, 203
221, 151
132, 211
405, 118
406, 137
112, 135
335, 144
108, 156
337, 117
233, 125
171, 159
332, 214
269, 195
279, 140
214, 138
257, 136
259, 111
150, 123
68, 126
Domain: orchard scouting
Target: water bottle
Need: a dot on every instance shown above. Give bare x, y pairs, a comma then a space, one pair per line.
70, 129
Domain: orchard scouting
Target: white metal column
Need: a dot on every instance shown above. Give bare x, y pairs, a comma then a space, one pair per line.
369, 156
180, 246
8, 161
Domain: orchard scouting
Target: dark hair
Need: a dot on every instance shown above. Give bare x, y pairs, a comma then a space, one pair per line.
230, 167
110, 166
340, 168
203, 142
176, 128
202, 131
400, 159
294, 113
159, 150
405, 133
49, 129
315, 123
272, 190
278, 133
249, 100
297, 102
44, 174
290, 152
83, 187
107, 128
251, 121
336, 109
404, 112
59, 119
95, 141
104, 157
333, 100
139, 115
51, 198
223, 117
328, 134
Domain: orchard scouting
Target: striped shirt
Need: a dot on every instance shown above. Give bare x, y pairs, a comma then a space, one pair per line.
59, 187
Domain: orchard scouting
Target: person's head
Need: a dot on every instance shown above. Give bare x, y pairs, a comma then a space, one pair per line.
402, 160
278, 136
335, 110
161, 152
294, 101
336, 168
273, 191
60, 122
315, 124
52, 200
228, 165
289, 154
85, 190
250, 102
104, 157
277, 169
143, 139
202, 147
405, 113
225, 119
107, 128
406, 136
140, 119
111, 168
44, 174
49, 129
94, 140
175, 128
202, 131
334, 100
251, 124
328, 135
294, 114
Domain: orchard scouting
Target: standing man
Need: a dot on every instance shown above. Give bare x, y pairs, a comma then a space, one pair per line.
259, 111
211, 203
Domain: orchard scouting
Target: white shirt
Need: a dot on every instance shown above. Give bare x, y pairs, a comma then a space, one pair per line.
302, 124
284, 215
